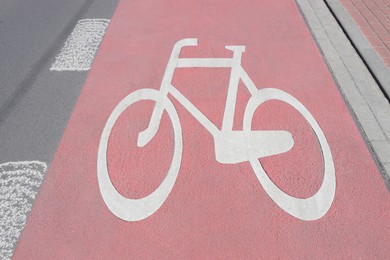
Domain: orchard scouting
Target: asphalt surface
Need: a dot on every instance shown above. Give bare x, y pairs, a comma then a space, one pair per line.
215, 210
36, 103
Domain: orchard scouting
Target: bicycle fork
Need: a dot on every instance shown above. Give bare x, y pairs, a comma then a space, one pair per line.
145, 136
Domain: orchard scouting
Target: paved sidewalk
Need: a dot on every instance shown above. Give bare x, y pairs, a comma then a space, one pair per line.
367, 102
373, 18
357, 35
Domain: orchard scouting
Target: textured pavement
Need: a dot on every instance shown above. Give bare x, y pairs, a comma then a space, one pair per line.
35, 103
366, 100
360, 74
373, 18
217, 209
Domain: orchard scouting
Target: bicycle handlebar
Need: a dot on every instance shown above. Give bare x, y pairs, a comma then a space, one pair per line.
194, 42
186, 42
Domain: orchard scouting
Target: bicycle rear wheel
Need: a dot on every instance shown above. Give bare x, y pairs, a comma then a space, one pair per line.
137, 209
311, 208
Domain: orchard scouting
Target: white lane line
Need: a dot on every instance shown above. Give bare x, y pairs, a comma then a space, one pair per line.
19, 184
81, 46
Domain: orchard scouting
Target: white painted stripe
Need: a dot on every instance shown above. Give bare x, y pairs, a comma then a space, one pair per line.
81, 46
19, 184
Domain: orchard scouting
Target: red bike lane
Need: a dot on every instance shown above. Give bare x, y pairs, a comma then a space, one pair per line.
214, 210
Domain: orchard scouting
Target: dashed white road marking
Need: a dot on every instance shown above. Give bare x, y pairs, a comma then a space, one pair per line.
80, 48
19, 184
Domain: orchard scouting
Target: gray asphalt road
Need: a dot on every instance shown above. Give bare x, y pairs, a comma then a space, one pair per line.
36, 103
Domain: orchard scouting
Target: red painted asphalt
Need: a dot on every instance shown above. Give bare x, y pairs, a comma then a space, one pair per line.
214, 210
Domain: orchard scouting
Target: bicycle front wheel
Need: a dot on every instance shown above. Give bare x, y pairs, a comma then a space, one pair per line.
311, 208
137, 209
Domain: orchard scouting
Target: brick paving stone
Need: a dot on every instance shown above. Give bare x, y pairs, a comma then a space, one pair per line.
367, 30
385, 37
373, 18
387, 44
375, 41
378, 27
383, 52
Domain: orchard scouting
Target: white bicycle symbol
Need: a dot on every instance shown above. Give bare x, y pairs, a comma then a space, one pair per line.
230, 146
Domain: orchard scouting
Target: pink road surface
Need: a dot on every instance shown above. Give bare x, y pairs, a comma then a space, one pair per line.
214, 210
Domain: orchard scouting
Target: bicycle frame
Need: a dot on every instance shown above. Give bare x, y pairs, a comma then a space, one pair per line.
227, 151
230, 146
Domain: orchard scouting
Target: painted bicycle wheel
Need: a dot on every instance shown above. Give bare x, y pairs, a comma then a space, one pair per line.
137, 209
311, 208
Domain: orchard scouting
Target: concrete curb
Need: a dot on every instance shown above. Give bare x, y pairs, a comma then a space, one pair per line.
374, 63
367, 103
